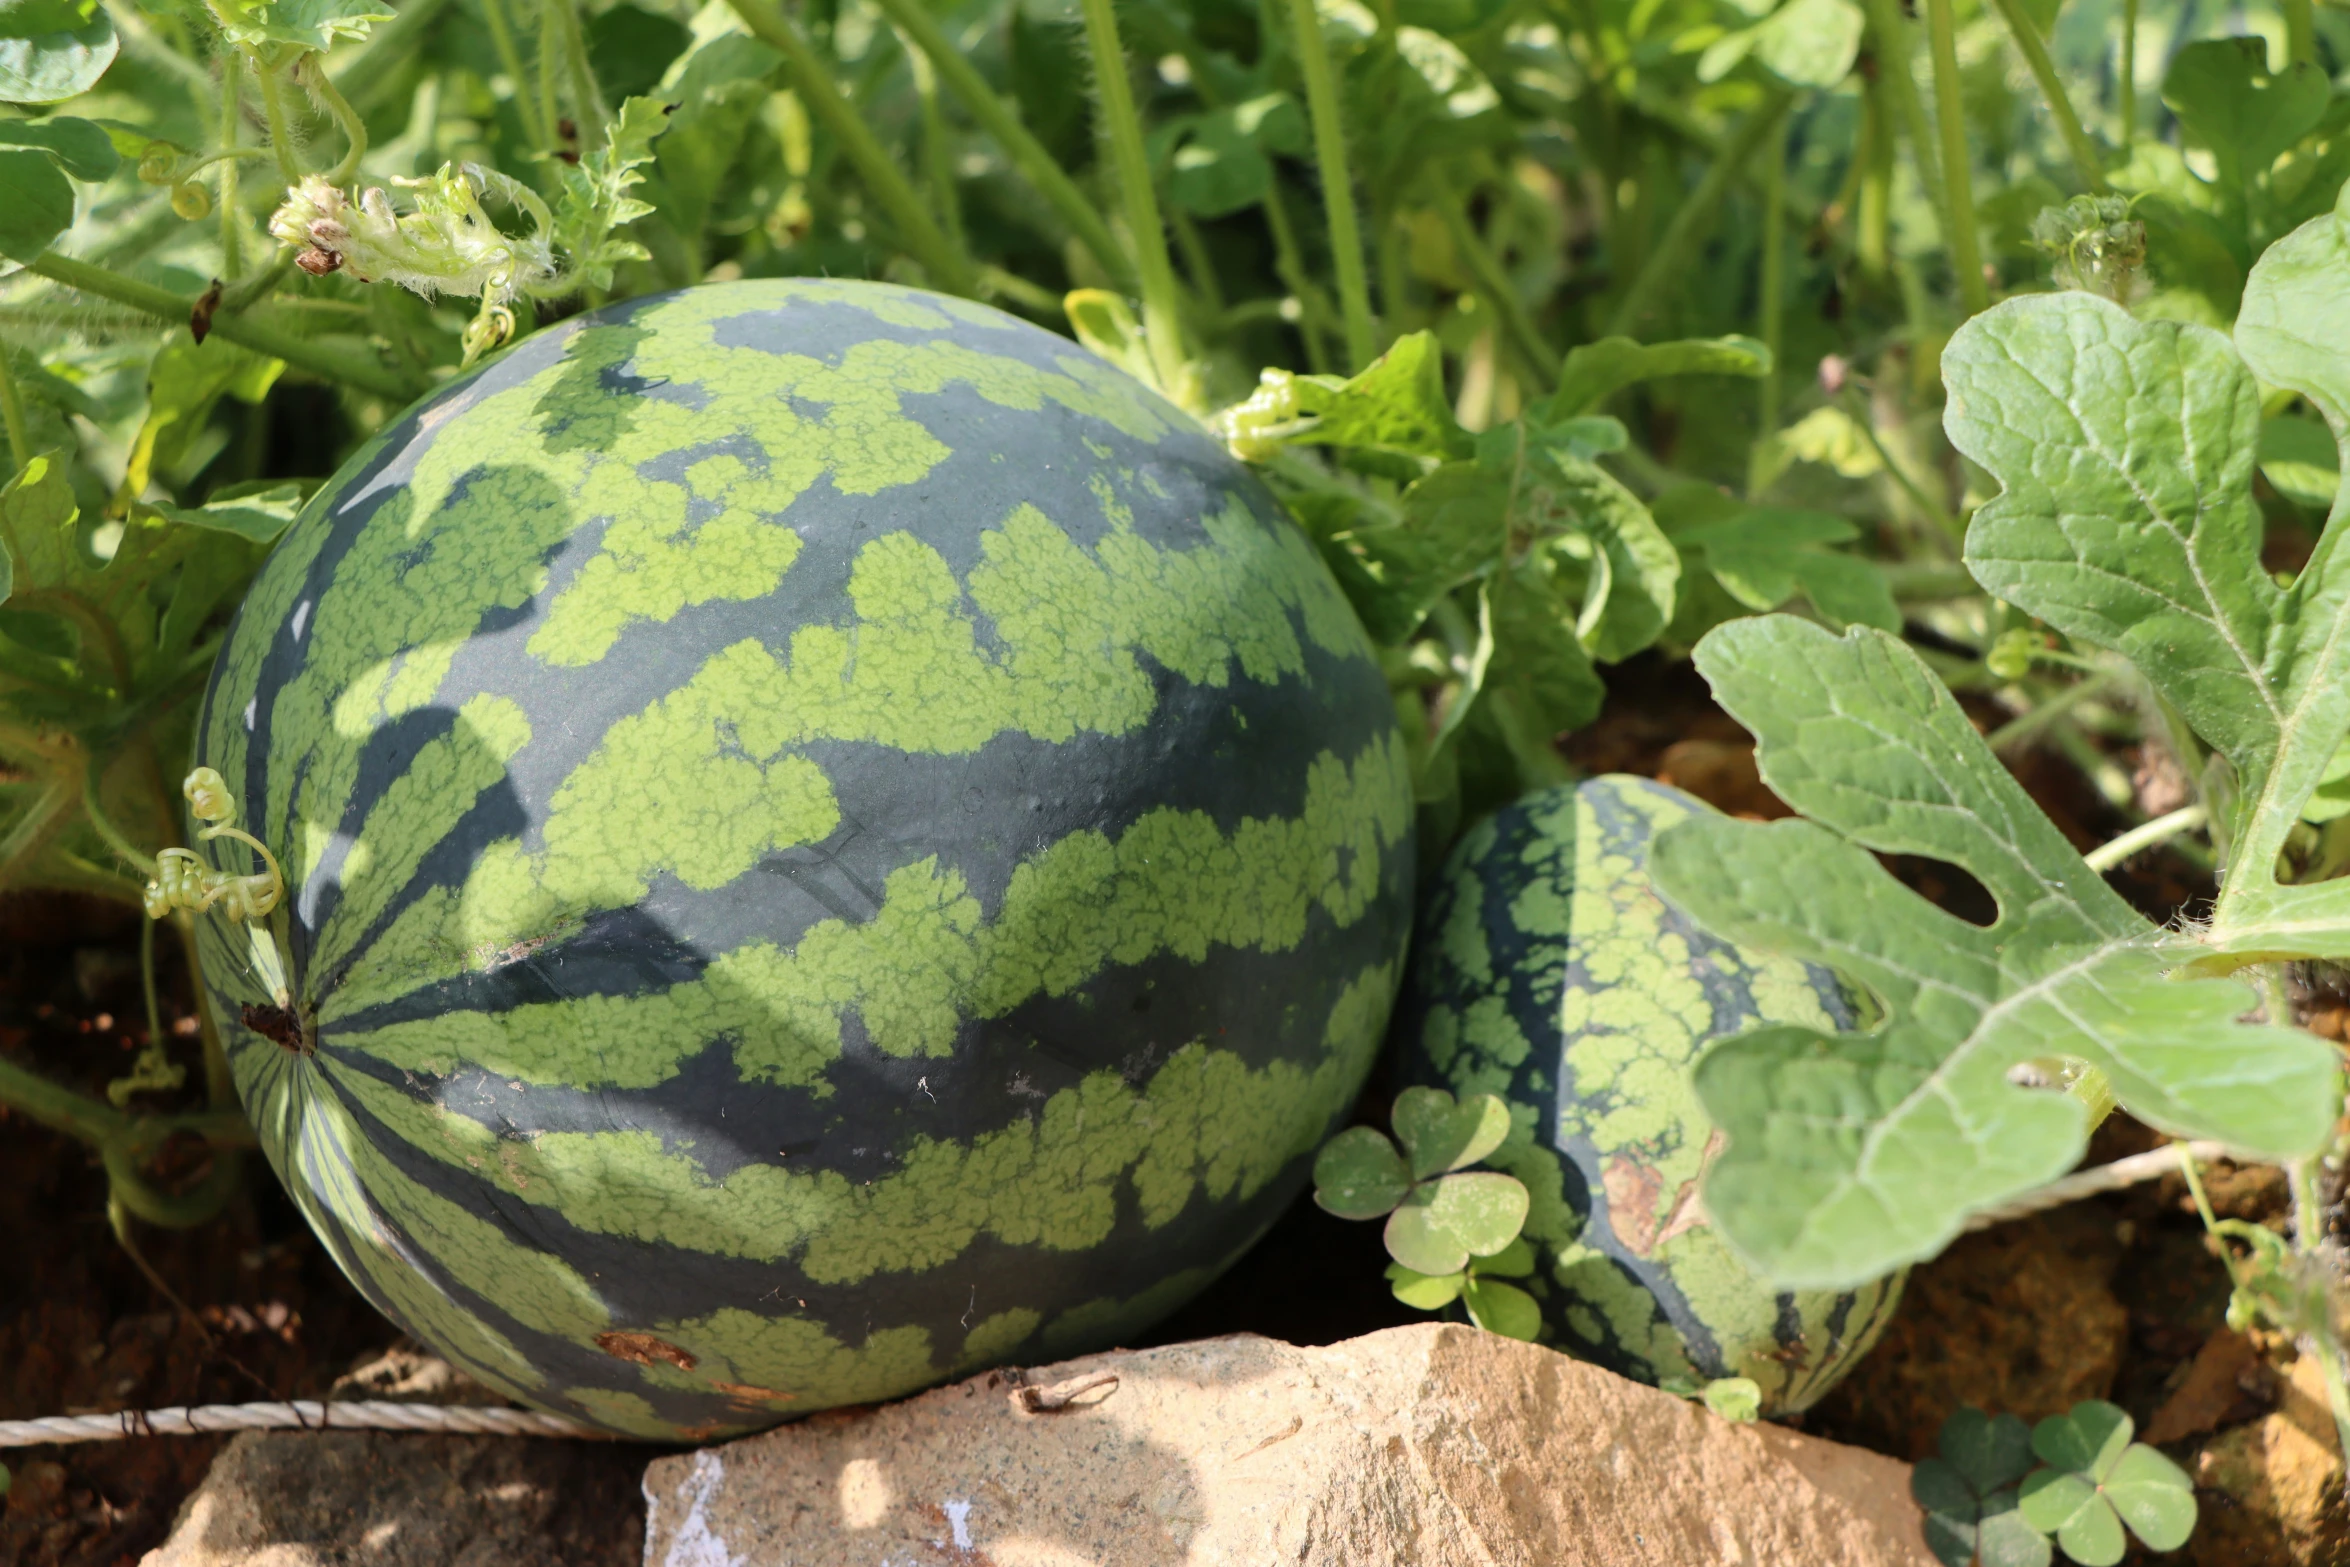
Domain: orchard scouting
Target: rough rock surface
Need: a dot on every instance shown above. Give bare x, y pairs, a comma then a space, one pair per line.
1433, 1445
2271, 1491
392, 1499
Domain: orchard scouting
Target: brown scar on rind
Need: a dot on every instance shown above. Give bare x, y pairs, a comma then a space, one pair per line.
644, 1349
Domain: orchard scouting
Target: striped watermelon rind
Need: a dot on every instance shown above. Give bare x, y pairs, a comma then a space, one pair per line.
832, 839
1549, 972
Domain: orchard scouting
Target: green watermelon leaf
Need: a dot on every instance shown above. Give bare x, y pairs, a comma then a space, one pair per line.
258, 511
1849, 1155
1440, 1134
1359, 1175
1597, 371
1423, 1292
1396, 405
2125, 451
296, 26
1502, 1308
32, 18
1765, 555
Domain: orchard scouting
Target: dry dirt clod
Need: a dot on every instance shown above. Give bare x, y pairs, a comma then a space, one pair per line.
2272, 1491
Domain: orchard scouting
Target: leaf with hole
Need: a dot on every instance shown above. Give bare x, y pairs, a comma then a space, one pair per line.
1849, 1155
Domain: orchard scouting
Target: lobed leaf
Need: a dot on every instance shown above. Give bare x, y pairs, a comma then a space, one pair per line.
1850, 1155
1597, 371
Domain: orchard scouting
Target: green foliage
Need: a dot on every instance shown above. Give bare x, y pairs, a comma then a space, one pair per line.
1968, 1492
1452, 1231
1988, 1505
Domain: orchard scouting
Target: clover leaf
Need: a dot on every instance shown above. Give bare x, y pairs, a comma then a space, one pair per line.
1452, 1231
1968, 1493
2097, 1481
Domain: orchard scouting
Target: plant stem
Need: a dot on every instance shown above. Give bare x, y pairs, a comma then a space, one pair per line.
588, 97
2145, 836
1289, 265
1893, 73
2068, 124
1494, 283
2025, 725
1122, 125
526, 105
20, 440
327, 363
1338, 197
1774, 281
372, 69
1859, 413
232, 125
2300, 47
1002, 123
938, 153
550, 46
346, 120
879, 171
1958, 188
2129, 75
61, 1109
281, 134
1696, 213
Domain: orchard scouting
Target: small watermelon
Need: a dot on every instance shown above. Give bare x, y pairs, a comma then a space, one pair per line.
1549, 972
832, 839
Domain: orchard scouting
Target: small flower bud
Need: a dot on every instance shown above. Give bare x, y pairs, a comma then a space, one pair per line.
2011, 656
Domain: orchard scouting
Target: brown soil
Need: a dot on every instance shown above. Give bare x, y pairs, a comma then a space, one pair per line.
2118, 1297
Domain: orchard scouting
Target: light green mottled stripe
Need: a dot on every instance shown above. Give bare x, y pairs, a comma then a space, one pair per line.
267, 607
1207, 1125
1173, 882
507, 474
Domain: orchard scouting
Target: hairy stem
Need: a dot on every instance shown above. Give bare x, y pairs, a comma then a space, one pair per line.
1697, 212
2068, 124
1002, 124
329, 364
346, 120
1338, 197
2145, 836
102, 1126
526, 104
874, 165
281, 130
1958, 189
547, 68
1773, 282
2128, 73
1494, 284
20, 440
1122, 123
587, 95
372, 70
938, 152
1891, 30
1289, 264
232, 125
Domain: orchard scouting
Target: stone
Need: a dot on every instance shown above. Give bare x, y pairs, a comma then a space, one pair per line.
399, 1499
1437, 1445
2271, 1490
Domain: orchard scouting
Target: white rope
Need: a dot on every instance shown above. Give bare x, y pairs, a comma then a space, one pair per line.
304, 1415
2099, 1178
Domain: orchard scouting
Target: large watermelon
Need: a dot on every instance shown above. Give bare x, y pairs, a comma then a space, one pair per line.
1549, 972
832, 839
